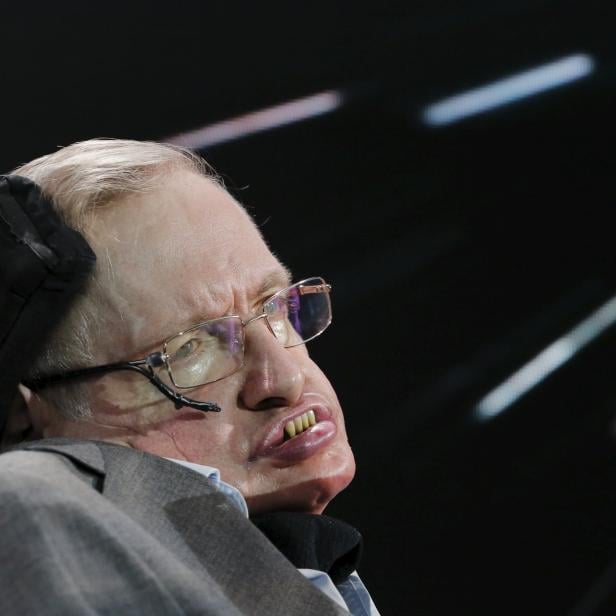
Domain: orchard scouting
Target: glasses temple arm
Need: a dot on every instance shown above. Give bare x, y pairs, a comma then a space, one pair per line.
136, 366
178, 399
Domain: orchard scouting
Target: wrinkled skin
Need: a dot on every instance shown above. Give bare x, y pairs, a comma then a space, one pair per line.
172, 259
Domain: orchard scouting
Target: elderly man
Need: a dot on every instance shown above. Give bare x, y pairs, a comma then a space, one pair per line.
175, 399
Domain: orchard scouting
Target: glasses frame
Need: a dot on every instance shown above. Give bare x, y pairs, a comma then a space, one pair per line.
145, 366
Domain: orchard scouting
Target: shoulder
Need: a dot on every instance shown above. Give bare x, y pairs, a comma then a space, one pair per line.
59, 535
33, 478
49, 507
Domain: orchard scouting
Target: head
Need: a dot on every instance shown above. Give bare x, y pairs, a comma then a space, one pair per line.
175, 249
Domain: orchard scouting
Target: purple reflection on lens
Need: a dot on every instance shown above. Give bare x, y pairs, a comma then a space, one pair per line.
227, 332
234, 342
293, 308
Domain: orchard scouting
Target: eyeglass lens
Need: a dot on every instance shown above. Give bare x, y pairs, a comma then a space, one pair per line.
215, 349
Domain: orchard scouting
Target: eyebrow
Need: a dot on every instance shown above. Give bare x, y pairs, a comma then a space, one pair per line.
278, 278
272, 282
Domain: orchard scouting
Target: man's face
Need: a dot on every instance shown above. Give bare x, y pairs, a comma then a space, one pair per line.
178, 257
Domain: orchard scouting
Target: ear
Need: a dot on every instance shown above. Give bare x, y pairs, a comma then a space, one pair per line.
26, 417
18, 426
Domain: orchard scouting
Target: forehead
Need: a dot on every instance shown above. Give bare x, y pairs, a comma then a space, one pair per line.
181, 254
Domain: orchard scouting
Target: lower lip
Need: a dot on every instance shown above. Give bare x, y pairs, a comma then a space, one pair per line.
304, 445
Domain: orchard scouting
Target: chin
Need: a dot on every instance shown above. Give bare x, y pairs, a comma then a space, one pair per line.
308, 494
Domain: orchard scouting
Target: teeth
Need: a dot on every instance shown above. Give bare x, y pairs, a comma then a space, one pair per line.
290, 429
299, 424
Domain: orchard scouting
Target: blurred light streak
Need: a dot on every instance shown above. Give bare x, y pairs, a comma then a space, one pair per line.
508, 90
546, 362
257, 121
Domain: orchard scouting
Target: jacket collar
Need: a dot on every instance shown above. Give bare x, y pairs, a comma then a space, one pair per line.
86, 454
127, 474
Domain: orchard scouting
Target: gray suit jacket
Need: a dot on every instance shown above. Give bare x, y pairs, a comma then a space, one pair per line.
93, 528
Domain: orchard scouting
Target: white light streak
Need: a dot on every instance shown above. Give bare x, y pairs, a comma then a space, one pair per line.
508, 90
258, 121
546, 362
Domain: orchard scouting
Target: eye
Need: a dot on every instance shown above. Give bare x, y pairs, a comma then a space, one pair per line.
275, 306
186, 350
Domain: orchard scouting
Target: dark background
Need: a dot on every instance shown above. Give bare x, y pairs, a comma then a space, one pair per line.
456, 254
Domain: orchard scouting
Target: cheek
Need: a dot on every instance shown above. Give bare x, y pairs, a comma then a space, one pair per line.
193, 437
315, 375
317, 382
127, 399
200, 441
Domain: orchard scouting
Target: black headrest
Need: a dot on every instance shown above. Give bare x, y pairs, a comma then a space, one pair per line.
43, 266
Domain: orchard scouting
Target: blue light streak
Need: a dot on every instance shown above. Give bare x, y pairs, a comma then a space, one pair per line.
545, 363
508, 90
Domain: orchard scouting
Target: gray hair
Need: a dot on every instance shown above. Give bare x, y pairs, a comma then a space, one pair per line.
80, 179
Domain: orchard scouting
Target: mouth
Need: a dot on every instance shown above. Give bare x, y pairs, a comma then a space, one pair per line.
298, 436
296, 426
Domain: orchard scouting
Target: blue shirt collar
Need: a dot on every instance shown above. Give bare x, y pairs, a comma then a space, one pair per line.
213, 474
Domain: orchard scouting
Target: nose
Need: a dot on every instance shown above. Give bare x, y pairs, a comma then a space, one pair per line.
274, 376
